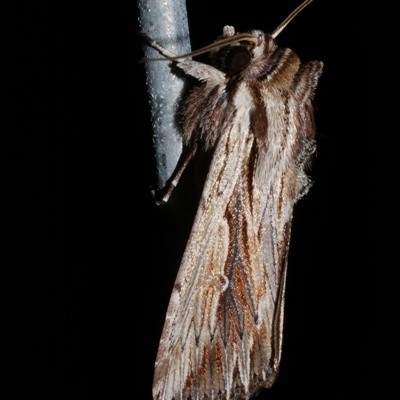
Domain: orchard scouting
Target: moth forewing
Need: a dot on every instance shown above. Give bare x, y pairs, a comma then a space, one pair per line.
222, 336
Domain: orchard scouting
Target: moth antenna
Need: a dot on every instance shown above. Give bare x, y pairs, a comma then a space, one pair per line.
242, 37
282, 26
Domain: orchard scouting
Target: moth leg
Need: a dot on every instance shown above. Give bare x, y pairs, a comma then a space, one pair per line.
173, 182
157, 46
198, 70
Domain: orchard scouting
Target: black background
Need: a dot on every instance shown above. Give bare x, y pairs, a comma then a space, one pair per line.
95, 258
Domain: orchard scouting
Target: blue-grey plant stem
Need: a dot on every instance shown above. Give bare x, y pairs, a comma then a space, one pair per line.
166, 22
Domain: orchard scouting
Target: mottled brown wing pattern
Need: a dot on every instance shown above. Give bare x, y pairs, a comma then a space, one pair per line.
223, 330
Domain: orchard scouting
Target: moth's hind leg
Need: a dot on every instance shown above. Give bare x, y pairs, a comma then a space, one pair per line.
174, 180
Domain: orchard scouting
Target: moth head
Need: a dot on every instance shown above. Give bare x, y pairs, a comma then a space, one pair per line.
233, 52
241, 48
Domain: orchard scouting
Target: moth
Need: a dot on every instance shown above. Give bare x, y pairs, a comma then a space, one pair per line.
222, 336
